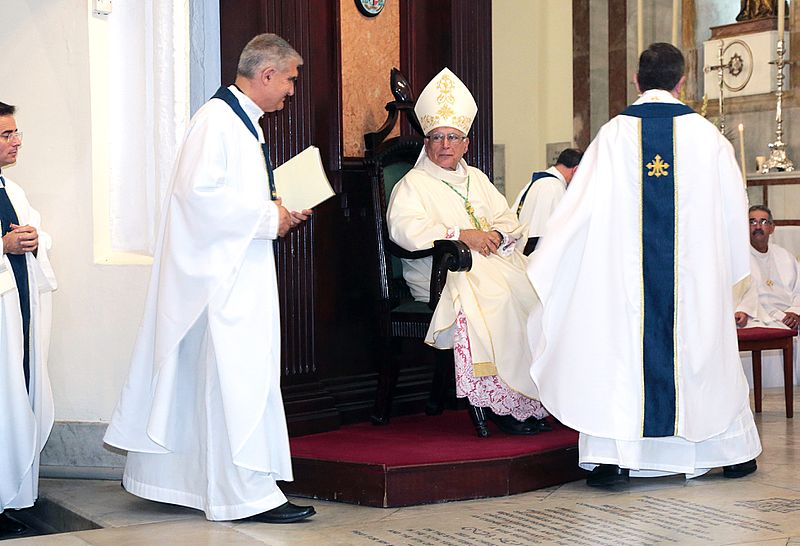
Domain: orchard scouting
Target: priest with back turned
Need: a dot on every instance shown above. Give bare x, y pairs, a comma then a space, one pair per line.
652, 238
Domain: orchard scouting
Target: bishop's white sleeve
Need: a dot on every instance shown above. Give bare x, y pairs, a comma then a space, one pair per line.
410, 225
268, 226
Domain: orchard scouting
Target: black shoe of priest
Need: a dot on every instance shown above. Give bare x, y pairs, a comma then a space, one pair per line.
608, 475
285, 513
9, 527
739, 470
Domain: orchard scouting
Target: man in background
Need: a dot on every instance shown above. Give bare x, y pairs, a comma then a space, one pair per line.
775, 275
26, 284
539, 198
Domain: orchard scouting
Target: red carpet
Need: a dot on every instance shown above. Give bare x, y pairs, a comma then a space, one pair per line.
422, 439
421, 459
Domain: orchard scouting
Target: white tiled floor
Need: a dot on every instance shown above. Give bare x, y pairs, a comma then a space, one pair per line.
763, 509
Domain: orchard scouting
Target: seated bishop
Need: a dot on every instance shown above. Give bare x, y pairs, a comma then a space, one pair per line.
482, 312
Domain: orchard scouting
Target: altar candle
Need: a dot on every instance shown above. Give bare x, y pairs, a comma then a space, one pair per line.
639, 27
781, 17
675, 23
741, 154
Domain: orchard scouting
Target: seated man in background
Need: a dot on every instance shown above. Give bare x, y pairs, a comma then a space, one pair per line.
775, 275
482, 312
539, 198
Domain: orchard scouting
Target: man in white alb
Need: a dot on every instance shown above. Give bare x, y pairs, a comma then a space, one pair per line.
651, 238
536, 201
201, 414
26, 285
775, 275
482, 312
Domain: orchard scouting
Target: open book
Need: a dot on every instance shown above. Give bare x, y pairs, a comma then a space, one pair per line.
301, 182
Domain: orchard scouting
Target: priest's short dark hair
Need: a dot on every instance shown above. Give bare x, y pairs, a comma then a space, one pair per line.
661, 66
7, 109
570, 157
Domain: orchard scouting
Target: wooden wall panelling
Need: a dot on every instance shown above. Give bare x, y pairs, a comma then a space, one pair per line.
471, 44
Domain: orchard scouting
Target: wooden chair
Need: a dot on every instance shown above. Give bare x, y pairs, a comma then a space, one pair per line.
399, 316
762, 339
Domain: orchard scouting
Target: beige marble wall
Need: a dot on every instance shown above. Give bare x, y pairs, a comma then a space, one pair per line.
370, 48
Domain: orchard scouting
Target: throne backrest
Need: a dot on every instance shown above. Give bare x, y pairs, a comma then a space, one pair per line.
386, 167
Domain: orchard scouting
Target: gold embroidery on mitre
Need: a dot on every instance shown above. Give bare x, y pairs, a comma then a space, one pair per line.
463, 123
445, 111
446, 87
658, 167
429, 120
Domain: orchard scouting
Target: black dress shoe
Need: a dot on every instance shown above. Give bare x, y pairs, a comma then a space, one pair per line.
285, 513
10, 527
739, 470
510, 425
608, 475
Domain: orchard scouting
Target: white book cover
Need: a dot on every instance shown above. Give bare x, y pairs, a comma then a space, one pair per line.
301, 182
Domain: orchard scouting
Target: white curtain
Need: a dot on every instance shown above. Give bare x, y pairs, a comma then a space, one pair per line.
149, 110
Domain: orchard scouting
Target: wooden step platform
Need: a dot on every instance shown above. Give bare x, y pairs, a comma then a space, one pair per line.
422, 460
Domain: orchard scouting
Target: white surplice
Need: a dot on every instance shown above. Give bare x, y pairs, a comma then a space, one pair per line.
541, 200
776, 277
27, 416
201, 414
587, 337
495, 295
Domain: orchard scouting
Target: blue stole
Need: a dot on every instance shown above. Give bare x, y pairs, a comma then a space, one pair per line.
659, 242
19, 267
536, 176
230, 99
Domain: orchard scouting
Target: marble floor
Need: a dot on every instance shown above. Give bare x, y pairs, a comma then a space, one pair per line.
763, 509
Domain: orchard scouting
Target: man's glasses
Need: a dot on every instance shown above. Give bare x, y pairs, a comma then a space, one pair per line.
452, 138
8, 136
760, 221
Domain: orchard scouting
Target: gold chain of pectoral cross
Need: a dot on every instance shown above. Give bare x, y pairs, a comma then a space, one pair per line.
467, 205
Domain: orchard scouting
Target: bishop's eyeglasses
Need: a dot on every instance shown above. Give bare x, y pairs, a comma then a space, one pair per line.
760, 221
8, 136
452, 138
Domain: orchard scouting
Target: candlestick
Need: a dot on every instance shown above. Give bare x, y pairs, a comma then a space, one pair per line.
639, 27
675, 23
742, 160
778, 160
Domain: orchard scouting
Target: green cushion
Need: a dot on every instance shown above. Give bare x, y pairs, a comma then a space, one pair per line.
391, 176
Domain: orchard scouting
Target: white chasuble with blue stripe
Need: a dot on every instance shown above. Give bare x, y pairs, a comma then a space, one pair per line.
658, 251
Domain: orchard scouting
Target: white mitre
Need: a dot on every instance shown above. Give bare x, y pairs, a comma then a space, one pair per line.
445, 102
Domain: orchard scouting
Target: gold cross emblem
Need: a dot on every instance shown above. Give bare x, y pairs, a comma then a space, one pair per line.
658, 167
